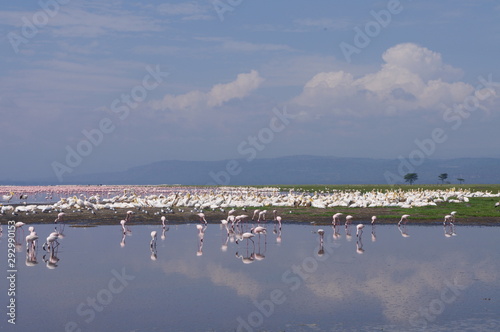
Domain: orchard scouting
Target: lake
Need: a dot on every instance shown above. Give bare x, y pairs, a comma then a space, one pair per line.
421, 278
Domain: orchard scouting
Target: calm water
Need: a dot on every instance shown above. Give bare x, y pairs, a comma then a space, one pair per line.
425, 281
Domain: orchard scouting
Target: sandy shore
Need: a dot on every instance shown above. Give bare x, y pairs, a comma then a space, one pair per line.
306, 215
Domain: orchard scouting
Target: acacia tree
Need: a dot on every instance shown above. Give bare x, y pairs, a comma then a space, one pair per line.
460, 180
411, 177
443, 177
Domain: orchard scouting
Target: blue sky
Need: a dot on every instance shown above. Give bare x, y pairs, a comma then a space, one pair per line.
87, 86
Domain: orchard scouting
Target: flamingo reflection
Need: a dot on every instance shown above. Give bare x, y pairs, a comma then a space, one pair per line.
449, 230
336, 232
359, 238
163, 235
348, 235
403, 230
359, 245
125, 232
277, 232
152, 246
249, 258
374, 236
260, 255
201, 235
51, 258
321, 250
31, 259
17, 238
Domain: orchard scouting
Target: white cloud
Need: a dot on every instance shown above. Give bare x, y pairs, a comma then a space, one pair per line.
412, 78
219, 94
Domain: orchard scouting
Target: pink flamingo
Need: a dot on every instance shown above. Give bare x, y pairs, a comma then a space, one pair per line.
404, 219
336, 219
202, 217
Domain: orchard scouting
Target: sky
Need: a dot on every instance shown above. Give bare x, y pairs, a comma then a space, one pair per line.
87, 86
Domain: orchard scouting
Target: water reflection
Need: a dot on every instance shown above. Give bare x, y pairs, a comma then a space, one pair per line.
449, 230
403, 229
374, 235
428, 282
201, 236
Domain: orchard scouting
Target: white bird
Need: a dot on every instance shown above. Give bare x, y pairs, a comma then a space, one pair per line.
359, 229
60, 217
129, 215
19, 224
453, 213
163, 219
262, 215
348, 220
448, 219
202, 217
321, 233
8, 197
258, 230
374, 219
31, 239
336, 219
51, 239
152, 244
247, 236
125, 230
404, 219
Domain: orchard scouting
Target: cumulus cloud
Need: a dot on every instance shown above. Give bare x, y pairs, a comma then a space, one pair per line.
411, 78
219, 94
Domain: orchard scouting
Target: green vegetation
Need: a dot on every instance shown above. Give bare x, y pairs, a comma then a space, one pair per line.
494, 188
411, 177
443, 177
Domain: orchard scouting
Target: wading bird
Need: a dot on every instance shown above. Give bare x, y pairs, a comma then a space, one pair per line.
359, 229
404, 219
336, 219
202, 217
348, 220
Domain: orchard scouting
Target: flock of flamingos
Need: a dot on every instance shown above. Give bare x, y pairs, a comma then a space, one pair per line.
238, 227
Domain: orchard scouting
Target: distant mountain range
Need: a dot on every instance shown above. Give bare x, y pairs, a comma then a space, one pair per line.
294, 170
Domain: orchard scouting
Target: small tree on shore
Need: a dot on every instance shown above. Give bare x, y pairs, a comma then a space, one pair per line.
443, 177
411, 177
460, 180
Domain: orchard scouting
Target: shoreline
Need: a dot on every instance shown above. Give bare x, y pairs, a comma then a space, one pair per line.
305, 215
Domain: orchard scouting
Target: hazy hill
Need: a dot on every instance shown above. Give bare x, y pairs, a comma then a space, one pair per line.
298, 170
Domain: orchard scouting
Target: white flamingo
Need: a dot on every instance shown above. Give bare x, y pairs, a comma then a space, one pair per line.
202, 217
404, 219
359, 230
336, 219
152, 244
348, 220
